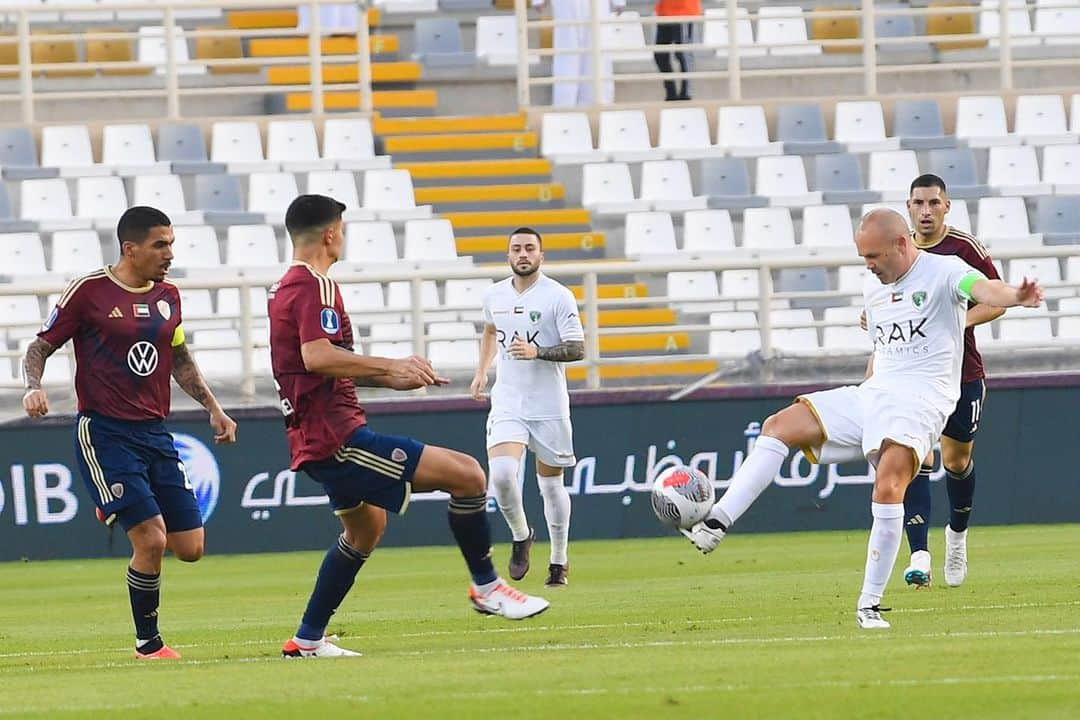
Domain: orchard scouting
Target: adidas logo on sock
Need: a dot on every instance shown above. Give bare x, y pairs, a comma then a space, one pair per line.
916, 520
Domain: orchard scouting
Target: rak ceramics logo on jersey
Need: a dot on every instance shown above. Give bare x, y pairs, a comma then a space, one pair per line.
201, 470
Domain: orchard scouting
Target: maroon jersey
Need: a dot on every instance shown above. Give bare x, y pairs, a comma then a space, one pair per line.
964, 246
320, 412
123, 343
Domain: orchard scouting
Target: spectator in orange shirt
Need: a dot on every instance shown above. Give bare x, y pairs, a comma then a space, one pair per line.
675, 33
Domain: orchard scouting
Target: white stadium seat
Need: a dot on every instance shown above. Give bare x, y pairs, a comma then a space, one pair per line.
338, 184
861, 127
708, 231
23, 254
980, 121
743, 132
129, 150
606, 189
370, 243
389, 194
351, 145
238, 144
624, 38
1040, 120
196, 246
684, 134
270, 193
666, 185
827, 226
101, 198
767, 229
430, 240
717, 34
782, 29
73, 251
251, 246
1019, 23
166, 193
566, 138
783, 181
293, 144
1061, 167
497, 40
67, 147
891, 173
49, 203
1003, 219
624, 135
1014, 170
217, 352
467, 294
152, 51
958, 216
649, 233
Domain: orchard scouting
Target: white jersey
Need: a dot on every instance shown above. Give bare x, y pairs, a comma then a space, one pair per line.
544, 315
917, 324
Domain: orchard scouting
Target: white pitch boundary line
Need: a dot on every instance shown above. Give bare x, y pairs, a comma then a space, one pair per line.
532, 628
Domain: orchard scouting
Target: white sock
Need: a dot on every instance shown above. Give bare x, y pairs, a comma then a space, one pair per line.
557, 513
503, 475
753, 476
881, 551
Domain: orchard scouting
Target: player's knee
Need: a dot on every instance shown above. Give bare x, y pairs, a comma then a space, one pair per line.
191, 552
889, 488
471, 480
502, 470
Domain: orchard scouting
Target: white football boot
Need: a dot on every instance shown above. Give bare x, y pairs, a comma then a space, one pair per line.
703, 537
322, 649
955, 557
869, 618
504, 600
918, 572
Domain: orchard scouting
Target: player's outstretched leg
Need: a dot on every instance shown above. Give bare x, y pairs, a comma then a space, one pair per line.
148, 541
503, 472
363, 527
961, 489
917, 526
462, 477
557, 514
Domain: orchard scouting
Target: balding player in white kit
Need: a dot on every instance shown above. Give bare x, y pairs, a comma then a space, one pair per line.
915, 306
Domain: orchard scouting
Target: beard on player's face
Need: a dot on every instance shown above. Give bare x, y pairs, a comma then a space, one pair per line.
525, 269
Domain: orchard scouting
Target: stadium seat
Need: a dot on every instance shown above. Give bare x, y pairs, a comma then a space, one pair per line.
497, 40
717, 34
606, 189
1069, 327
23, 253
566, 138
251, 246
468, 297
741, 339
891, 174
48, 202
1025, 326
894, 29
389, 194
802, 130
898, 207
1074, 115
217, 352
196, 247
399, 298
768, 229
18, 156
861, 127
1058, 25
343, 18
843, 336
74, 251
83, 16
958, 215
165, 193
292, 144
198, 308
370, 243
129, 150
140, 14
1061, 168
827, 226
151, 51
695, 291
684, 134
834, 28
956, 166
708, 231
228, 304
430, 240
58, 51
226, 49
665, 185
742, 285
1004, 221
183, 145
783, 180
649, 233
980, 121
799, 336
782, 30
217, 195
102, 199
918, 125
624, 135
20, 316
1014, 170
8, 222
804, 280
438, 43
365, 302
1040, 120
392, 349
350, 143
270, 193
743, 132
839, 178
238, 145
1046, 270
953, 22
1072, 269
451, 331
340, 185
726, 182
67, 147
851, 279
1058, 219
1019, 23
624, 39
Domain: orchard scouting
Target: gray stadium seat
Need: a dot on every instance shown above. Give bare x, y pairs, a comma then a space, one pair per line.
218, 196
8, 223
956, 167
1058, 219
897, 26
813, 279
918, 125
184, 146
802, 130
438, 43
18, 156
726, 182
839, 177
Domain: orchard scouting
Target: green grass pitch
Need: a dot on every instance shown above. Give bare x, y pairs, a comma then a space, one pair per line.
763, 628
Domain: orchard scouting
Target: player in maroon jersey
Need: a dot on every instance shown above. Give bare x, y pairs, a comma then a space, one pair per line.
126, 325
363, 472
928, 203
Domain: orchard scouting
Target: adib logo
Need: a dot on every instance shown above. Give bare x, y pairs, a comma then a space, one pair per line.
201, 470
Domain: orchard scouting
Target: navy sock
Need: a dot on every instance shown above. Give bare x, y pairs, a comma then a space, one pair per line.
917, 510
336, 576
961, 487
145, 593
469, 523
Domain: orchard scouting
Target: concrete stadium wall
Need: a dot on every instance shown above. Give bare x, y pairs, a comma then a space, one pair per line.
252, 503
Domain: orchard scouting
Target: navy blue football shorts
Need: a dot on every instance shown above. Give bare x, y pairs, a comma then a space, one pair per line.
369, 468
964, 422
133, 472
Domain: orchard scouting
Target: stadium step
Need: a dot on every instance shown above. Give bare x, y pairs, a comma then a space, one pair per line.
449, 124
491, 223
496, 244
516, 196
610, 291
636, 316
470, 172
680, 368
461, 146
381, 72
407, 102
267, 19
645, 342
337, 45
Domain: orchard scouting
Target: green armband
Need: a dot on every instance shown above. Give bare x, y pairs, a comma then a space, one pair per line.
967, 282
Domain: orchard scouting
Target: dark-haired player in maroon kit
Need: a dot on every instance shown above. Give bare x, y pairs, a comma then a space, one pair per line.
928, 203
126, 325
364, 473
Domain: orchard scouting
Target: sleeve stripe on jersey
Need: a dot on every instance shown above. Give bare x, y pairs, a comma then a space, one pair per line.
90, 456
75, 285
971, 240
326, 288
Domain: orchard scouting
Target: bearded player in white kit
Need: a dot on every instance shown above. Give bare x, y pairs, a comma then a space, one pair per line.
916, 310
532, 326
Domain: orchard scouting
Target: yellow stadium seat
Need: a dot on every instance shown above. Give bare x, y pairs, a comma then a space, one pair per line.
960, 23
9, 56
107, 50
222, 48
58, 51
834, 28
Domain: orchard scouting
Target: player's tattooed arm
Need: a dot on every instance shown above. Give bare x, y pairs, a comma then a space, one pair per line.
34, 362
187, 376
566, 351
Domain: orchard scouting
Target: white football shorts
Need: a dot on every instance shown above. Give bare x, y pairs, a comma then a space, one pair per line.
857, 421
551, 440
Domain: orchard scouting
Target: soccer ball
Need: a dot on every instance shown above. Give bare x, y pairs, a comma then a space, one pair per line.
682, 497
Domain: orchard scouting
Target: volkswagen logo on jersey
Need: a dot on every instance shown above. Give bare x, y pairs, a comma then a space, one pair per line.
142, 358
329, 321
201, 470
